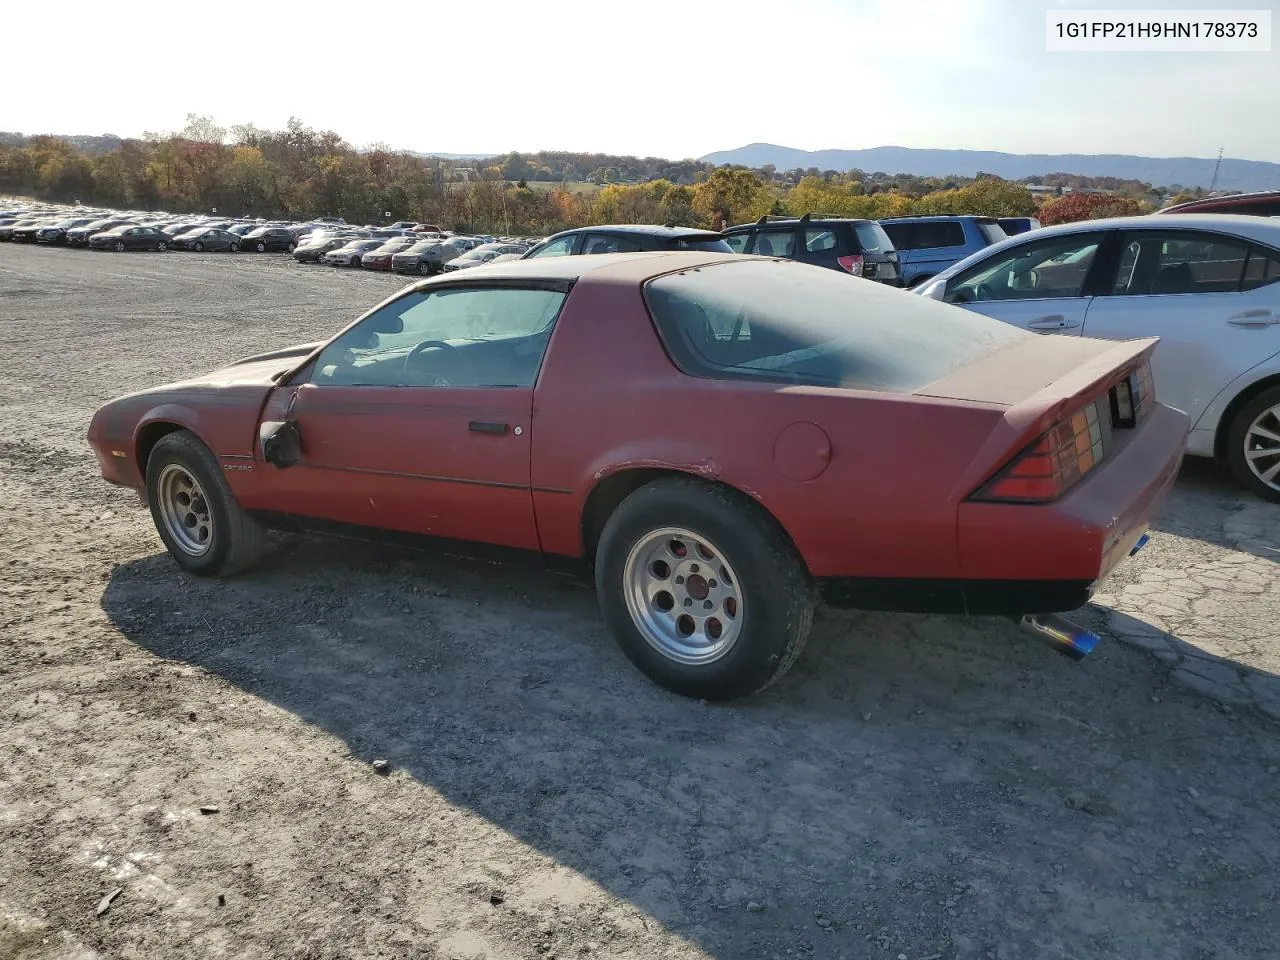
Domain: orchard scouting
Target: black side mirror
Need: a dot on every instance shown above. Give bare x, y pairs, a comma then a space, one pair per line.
281, 443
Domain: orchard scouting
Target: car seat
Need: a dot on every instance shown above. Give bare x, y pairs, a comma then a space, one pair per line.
1175, 278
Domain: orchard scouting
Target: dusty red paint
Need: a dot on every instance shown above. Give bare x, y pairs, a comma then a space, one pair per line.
890, 501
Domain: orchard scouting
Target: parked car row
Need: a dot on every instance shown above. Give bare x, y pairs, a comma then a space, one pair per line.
138, 230
416, 254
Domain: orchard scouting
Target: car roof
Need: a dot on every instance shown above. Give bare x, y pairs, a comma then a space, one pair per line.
945, 217
1262, 229
1227, 199
816, 219
643, 264
643, 229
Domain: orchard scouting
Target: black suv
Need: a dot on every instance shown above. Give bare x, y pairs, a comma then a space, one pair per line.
859, 247
628, 238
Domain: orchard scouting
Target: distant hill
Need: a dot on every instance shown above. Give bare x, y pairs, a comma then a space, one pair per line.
1159, 171
92, 145
451, 156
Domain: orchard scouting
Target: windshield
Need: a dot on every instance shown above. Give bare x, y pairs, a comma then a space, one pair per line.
787, 322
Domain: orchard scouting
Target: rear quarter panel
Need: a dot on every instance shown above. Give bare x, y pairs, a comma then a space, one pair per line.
608, 399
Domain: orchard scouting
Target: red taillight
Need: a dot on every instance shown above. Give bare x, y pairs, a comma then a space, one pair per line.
852, 263
1056, 462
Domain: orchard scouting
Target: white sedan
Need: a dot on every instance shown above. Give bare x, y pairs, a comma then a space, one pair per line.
1207, 285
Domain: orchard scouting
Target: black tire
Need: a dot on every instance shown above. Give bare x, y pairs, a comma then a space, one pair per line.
234, 248
1237, 432
119, 246
199, 246
237, 540
161, 247
778, 594
261, 247
424, 268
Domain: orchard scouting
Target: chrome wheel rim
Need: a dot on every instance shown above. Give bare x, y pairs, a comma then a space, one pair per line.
184, 510
683, 596
1262, 447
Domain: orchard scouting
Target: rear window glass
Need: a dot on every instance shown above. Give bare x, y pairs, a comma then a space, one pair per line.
992, 232
872, 238
926, 235
709, 244
788, 322
1263, 267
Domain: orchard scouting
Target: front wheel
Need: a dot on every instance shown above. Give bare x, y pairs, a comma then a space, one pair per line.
199, 247
702, 589
203, 527
1253, 445
261, 247
119, 246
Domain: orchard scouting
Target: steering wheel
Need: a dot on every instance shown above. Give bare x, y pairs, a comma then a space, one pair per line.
454, 356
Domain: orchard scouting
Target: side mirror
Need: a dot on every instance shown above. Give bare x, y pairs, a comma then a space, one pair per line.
281, 443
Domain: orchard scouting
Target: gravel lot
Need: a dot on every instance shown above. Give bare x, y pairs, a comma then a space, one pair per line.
918, 787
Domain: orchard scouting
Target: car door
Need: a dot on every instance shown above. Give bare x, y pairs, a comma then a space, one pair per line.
417, 419
1043, 285
139, 238
1212, 299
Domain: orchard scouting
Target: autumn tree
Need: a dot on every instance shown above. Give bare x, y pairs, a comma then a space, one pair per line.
737, 194
1086, 206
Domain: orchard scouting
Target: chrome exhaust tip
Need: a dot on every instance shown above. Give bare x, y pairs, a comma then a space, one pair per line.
1069, 639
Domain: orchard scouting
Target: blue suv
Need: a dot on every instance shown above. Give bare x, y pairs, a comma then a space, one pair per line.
928, 245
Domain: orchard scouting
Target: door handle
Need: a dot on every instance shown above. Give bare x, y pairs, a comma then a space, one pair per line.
1054, 321
1253, 318
485, 426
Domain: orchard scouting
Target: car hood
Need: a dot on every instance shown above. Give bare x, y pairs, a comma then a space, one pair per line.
260, 370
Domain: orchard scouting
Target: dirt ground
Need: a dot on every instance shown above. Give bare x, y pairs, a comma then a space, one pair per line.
919, 788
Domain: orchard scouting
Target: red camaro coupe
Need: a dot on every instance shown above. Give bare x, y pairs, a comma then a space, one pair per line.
723, 439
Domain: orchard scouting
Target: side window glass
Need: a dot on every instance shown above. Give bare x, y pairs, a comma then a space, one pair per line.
944, 233
1036, 271
1262, 268
597, 243
446, 338
775, 243
816, 241
738, 241
558, 248
1159, 264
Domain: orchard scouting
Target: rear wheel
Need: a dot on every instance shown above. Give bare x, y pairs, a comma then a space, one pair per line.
161, 246
702, 589
203, 527
1253, 445
234, 248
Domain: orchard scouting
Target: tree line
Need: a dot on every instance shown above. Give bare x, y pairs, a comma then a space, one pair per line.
298, 173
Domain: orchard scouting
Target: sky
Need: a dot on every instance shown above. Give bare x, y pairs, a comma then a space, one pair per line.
659, 78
